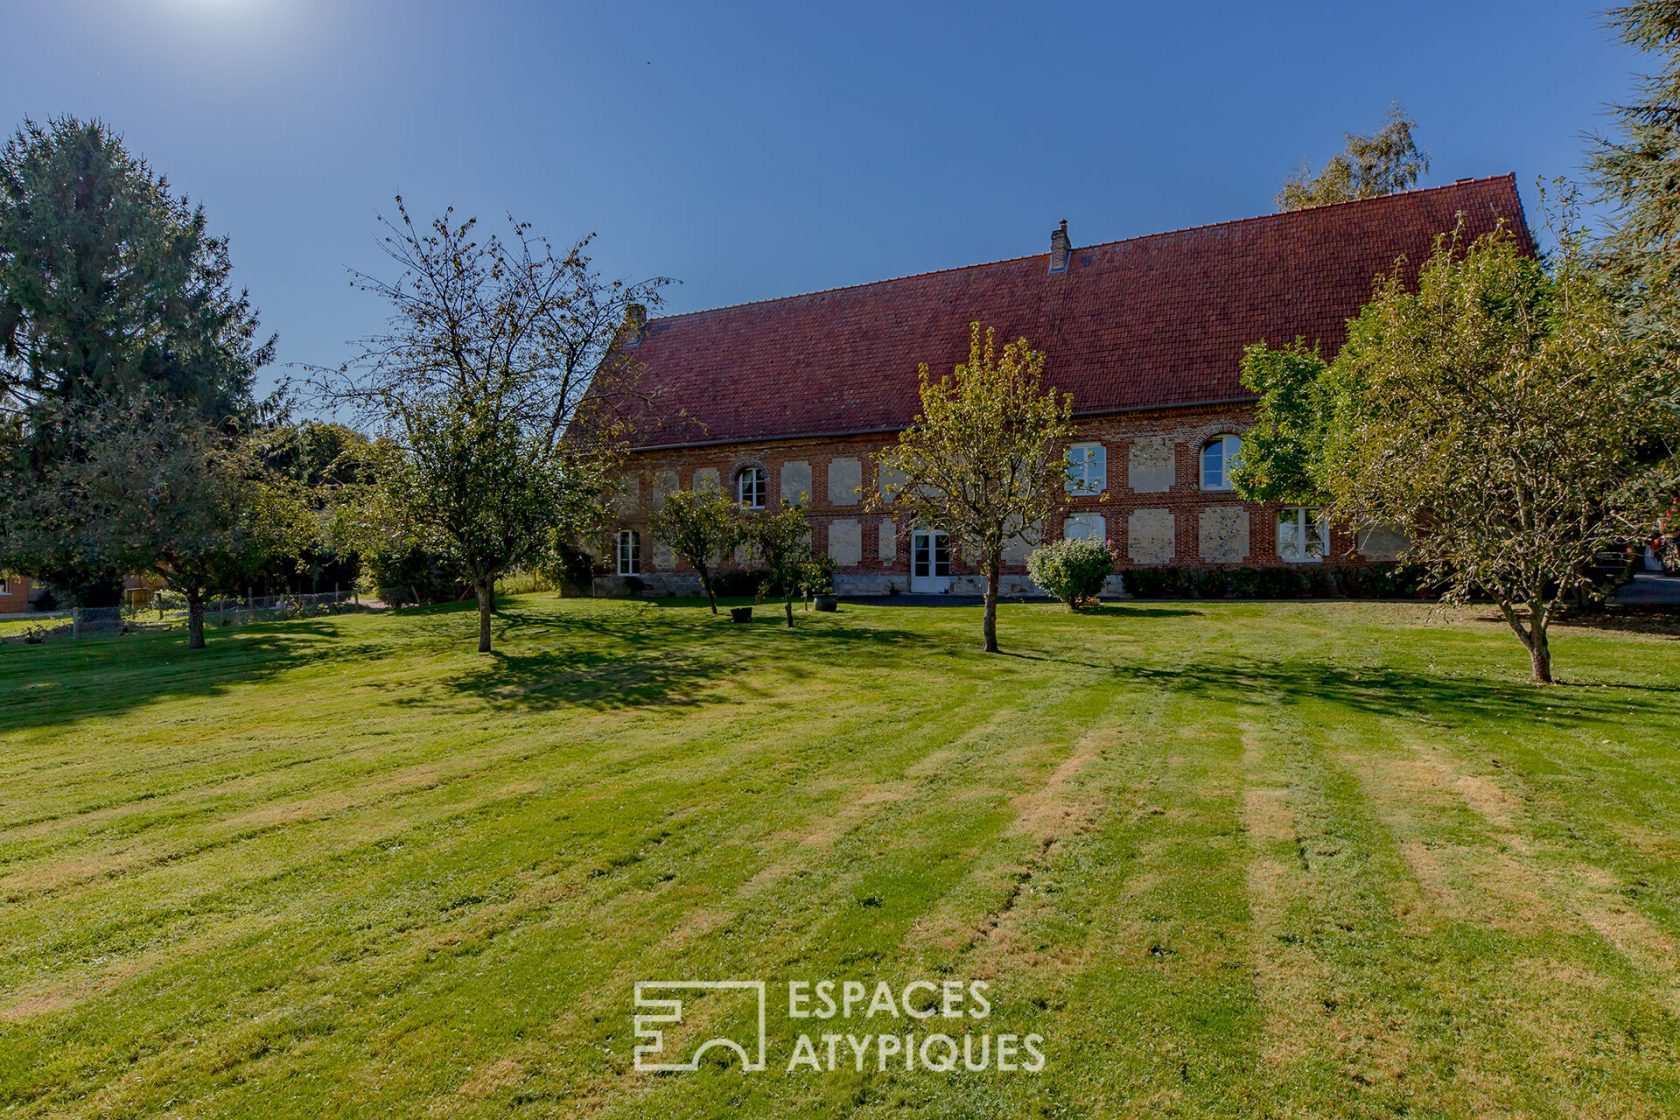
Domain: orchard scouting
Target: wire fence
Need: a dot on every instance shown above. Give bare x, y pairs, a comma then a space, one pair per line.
168, 610
230, 612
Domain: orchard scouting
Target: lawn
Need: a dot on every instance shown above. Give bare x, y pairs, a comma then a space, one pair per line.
17, 627
1227, 859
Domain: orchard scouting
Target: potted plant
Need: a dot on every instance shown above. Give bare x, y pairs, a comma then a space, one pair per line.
817, 581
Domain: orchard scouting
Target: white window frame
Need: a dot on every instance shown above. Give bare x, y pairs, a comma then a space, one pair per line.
1101, 524
1230, 451
629, 558
1087, 468
1297, 519
760, 479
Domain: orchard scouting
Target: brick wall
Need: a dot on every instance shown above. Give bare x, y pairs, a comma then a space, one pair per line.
14, 595
1154, 510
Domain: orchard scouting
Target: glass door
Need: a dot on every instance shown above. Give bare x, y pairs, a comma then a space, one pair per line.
930, 562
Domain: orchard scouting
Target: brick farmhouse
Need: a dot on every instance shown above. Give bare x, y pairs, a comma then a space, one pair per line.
788, 398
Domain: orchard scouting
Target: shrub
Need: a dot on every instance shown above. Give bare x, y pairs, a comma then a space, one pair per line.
818, 577
1072, 571
739, 583
415, 576
523, 581
1305, 581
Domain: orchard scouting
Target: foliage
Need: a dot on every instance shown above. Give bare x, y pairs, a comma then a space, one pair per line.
111, 291
524, 581
327, 461
1279, 461
1496, 413
1072, 571
566, 567
159, 490
818, 576
740, 583
781, 547
701, 526
414, 575
1385, 162
494, 386
1291, 581
1634, 173
982, 460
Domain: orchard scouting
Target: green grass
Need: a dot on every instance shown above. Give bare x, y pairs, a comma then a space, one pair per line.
1229, 860
17, 627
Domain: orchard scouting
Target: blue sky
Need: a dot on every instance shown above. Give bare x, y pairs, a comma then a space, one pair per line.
756, 150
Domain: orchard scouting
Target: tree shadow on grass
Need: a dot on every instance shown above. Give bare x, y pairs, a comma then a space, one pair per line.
65, 681
648, 656
1134, 609
1397, 693
581, 678
1657, 622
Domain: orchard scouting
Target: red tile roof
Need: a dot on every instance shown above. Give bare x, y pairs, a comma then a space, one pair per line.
1147, 322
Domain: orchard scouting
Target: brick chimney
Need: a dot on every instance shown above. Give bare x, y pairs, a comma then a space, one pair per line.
635, 323
1061, 250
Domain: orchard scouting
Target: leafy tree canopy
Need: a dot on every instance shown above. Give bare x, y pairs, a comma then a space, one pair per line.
493, 389
983, 460
161, 491
781, 545
1385, 162
703, 527
1496, 412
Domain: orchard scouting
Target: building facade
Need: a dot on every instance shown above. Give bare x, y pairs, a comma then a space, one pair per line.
15, 594
791, 400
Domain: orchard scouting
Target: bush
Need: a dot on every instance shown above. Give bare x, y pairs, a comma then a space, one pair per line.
524, 582
745, 583
1304, 581
818, 578
1072, 571
737, 583
415, 576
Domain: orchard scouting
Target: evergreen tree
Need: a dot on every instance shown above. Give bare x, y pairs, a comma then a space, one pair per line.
111, 292
1638, 171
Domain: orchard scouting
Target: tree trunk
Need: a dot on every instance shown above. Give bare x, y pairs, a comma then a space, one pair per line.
988, 624
195, 620
788, 603
1533, 638
486, 607
1540, 653
706, 585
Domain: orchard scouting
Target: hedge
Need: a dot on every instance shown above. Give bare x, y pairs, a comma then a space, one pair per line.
1302, 581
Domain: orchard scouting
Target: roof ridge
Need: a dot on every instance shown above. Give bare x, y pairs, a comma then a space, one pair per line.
1275, 216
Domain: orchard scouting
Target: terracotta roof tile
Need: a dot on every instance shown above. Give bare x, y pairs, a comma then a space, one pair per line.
1147, 322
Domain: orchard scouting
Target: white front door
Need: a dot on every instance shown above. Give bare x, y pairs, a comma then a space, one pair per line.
930, 562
